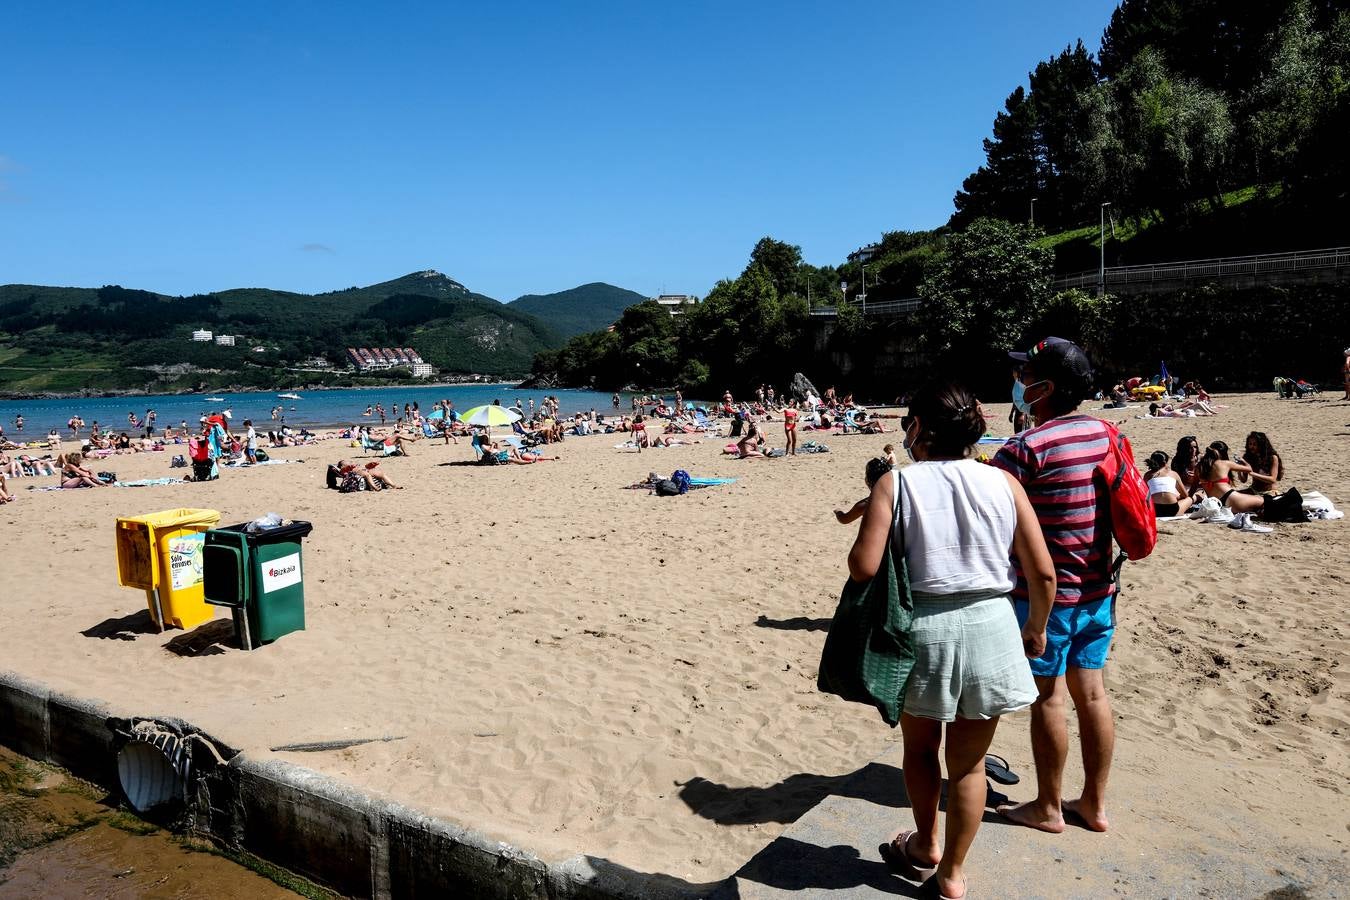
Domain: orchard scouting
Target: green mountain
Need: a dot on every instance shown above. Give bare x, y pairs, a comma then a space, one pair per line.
590, 307
68, 339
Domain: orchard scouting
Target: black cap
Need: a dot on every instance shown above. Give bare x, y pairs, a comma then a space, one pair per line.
1058, 360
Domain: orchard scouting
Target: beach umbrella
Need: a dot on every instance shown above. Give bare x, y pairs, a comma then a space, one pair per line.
436, 414
490, 415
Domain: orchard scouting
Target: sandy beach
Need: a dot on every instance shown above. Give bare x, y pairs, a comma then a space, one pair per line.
578, 668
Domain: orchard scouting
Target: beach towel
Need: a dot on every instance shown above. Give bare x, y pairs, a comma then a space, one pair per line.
149, 482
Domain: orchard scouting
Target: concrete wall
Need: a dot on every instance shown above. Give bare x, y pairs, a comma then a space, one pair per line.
322, 828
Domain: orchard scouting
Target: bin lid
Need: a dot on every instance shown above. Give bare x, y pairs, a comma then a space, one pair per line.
175, 518
291, 531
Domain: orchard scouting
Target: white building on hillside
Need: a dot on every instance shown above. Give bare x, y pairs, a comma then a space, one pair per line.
202, 336
675, 303
225, 340
423, 370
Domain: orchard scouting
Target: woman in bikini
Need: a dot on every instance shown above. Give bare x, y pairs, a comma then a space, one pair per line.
1186, 463
790, 427
74, 475
748, 446
1216, 477
1165, 488
640, 432
1267, 467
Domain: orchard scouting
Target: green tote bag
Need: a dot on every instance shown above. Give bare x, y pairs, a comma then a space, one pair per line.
869, 649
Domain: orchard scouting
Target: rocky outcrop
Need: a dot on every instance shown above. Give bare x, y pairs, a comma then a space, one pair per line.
800, 386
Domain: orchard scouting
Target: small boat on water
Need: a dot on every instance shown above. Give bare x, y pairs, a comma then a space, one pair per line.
289, 396
215, 399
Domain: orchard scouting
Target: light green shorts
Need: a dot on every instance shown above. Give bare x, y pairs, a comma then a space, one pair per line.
968, 659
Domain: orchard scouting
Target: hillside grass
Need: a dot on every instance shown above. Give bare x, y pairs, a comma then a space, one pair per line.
1248, 220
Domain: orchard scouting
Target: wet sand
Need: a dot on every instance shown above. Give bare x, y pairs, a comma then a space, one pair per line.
578, 668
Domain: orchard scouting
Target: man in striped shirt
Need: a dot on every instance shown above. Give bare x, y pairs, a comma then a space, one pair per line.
1055, 461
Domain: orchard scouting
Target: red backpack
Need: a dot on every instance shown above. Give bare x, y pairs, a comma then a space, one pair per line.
1133, 523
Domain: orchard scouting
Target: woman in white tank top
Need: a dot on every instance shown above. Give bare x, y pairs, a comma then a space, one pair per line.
958, 524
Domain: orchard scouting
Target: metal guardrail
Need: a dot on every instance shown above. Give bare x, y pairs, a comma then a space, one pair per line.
884, 308
1218, 267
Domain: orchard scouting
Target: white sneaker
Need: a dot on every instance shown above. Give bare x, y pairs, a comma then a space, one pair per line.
1245, 522
1222, 516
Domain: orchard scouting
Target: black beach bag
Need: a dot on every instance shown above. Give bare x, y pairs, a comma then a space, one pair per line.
1286, 507
869, 650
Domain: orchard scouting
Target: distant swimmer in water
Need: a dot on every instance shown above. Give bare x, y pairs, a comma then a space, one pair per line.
369, 411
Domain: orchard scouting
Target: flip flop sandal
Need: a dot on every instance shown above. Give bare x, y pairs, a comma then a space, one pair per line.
895, 853
929, 890
997, 769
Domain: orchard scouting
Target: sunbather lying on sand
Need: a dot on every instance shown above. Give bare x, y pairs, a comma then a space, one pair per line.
5, 495
513, 455
355, 472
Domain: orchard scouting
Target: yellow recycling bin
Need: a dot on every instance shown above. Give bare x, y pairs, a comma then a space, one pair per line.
162, 554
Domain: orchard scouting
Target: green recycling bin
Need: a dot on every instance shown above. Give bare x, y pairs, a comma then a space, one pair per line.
259, 576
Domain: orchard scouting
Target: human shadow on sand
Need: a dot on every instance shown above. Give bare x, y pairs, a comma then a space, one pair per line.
790, 799
123, 628
791, 865
797, 623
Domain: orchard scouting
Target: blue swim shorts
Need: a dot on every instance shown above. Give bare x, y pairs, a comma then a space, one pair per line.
1077, 636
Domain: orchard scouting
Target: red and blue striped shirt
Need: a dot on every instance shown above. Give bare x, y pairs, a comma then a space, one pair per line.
1055, 462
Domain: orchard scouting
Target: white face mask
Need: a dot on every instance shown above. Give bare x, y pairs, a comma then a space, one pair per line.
908, 445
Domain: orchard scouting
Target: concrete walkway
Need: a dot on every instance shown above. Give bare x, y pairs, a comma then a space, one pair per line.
833, 851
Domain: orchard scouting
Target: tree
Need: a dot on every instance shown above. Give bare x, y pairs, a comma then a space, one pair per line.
647, 338
1004, 186
990, 284
1059, 95
1176, 134
1305, 81
782, 262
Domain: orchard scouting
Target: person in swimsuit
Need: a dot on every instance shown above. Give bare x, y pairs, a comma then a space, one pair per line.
872, 473
1166, 488
640, 432
74, 475
748, 445
1267, 467
790, 427
1216, 477
1186, 463
1346, 369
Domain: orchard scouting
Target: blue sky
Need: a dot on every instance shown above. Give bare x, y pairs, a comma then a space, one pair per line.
518, 147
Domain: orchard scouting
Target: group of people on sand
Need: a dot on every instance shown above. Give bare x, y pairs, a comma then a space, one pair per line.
1242, 483
69, 467
1010, 571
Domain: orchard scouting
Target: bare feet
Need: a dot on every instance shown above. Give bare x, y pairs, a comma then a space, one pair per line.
1032, 815
1077, 812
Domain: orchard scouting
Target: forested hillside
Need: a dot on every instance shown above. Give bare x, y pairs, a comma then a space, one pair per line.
1184, 104
586, 308
73, 338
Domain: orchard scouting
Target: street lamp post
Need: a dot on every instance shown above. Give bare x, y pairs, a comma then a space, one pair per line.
1101, 269
862, 267
1033, 210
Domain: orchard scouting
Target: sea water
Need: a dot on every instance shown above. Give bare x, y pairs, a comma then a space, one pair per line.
315, 408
